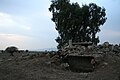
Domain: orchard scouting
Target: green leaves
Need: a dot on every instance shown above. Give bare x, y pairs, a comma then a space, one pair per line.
77, 23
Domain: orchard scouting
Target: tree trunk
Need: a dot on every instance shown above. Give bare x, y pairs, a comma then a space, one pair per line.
11, 54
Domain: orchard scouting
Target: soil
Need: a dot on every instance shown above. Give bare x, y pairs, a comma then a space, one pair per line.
37, 68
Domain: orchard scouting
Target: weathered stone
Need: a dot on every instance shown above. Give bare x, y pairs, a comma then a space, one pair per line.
80, 63
116, 49
106, 44
99, 57
70, 43
1, 60
64, 65
10, 59
71, 55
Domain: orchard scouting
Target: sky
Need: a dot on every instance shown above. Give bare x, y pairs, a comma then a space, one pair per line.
27, 24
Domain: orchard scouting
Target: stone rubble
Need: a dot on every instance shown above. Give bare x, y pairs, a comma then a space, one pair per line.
97, 51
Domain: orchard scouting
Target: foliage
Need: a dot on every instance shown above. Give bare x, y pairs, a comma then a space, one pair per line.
76, 23
11, 50
26, 50
2, 51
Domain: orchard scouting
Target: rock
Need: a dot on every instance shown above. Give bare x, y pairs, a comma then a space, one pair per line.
104, 64
64, 65
106, 44
1, 60
98, 57
9, 59
48, 63
116, 49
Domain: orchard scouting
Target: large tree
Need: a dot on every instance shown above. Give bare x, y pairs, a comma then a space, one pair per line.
76, 23
11, 50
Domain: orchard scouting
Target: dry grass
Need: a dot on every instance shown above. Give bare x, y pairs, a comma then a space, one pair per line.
35, 68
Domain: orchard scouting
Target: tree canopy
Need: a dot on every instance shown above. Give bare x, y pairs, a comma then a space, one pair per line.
75, 22
11, 50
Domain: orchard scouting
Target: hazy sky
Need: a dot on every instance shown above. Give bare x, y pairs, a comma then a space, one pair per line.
27, 24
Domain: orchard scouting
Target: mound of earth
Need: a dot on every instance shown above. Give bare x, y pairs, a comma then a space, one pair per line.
38, 68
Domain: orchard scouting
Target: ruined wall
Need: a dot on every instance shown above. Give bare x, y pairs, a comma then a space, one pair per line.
80, 63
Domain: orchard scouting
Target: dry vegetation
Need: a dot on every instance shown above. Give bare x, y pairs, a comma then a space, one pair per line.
25, 66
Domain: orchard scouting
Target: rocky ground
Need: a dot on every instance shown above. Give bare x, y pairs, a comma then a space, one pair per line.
37, 67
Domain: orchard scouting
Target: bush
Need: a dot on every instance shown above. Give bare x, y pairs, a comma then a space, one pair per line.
11, 50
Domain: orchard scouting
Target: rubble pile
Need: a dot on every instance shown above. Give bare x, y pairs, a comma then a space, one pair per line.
73, 54
82, 49
101, 48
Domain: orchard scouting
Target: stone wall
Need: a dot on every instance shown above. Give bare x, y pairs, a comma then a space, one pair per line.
80, 63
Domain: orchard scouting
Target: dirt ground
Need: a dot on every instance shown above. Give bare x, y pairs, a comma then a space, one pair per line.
37, 68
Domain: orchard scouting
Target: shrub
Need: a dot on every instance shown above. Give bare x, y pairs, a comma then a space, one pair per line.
11, 50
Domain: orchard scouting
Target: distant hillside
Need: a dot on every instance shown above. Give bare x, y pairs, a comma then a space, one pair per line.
46, 49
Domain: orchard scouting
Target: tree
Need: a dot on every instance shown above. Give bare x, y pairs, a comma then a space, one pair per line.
26, 51
60, 10
11, 50
76, 23
97, 18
